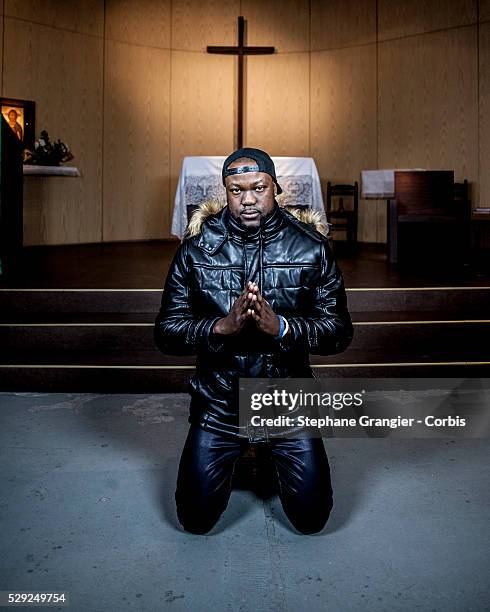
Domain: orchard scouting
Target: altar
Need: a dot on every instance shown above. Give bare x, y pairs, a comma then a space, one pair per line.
200, 180
380, 184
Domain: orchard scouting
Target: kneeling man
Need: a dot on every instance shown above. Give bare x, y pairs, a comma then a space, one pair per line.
252, 290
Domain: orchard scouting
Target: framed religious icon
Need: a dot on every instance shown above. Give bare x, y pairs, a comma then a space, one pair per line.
20, 116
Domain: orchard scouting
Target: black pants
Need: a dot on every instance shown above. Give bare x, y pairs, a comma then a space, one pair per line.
205, 478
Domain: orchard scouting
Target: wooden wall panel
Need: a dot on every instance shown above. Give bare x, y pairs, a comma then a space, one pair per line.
484, 153
428, 102
484, 10
141, 22
427, 98
398, 18
207, 22
342, 23
277, 104
343, 121
202, 108
284, 24
84, 16
1, 47
38, 196
65, 80
136, 142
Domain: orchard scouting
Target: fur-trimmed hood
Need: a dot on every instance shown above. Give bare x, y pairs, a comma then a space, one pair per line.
213, 207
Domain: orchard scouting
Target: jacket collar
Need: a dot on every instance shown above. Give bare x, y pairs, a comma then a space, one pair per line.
222, 225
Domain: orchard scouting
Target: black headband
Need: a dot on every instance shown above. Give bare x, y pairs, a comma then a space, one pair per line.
263, 160
241, 170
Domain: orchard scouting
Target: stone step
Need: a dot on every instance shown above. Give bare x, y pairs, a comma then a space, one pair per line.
157, 379
389, 340
117, 318
102, 340
429, 299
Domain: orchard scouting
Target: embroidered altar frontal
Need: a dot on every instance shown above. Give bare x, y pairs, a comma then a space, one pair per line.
200, 180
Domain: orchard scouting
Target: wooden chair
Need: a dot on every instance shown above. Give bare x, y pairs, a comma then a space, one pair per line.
433, 214
343, 219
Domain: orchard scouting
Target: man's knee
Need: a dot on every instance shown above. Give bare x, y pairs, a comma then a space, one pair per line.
198, 516
312, 526
310, 522
197, 525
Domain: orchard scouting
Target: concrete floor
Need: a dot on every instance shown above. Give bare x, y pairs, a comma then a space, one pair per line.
86, 506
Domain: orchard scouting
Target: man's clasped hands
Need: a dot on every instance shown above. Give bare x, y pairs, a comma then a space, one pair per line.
249, 304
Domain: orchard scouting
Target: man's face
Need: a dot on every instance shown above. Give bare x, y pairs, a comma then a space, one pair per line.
250, 196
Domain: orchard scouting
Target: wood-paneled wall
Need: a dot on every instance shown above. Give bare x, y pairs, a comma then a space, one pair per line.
399, 91
343, 125
356, 84
1, 45
484, 115
57, 60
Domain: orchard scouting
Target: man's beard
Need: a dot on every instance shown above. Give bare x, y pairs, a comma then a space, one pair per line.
251, 228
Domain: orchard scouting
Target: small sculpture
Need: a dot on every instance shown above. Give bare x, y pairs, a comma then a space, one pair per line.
47, 154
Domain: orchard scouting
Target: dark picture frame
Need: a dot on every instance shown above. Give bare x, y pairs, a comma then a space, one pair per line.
20, 115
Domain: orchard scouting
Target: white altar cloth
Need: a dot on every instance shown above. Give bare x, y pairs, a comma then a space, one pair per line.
200, 180
380, 183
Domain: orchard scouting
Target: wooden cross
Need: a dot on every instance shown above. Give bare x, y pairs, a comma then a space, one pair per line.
241, 50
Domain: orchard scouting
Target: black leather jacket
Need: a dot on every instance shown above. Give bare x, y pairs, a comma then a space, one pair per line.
296, 272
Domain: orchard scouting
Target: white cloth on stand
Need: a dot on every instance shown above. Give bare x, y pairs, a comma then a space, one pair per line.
380, 183
200, 180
